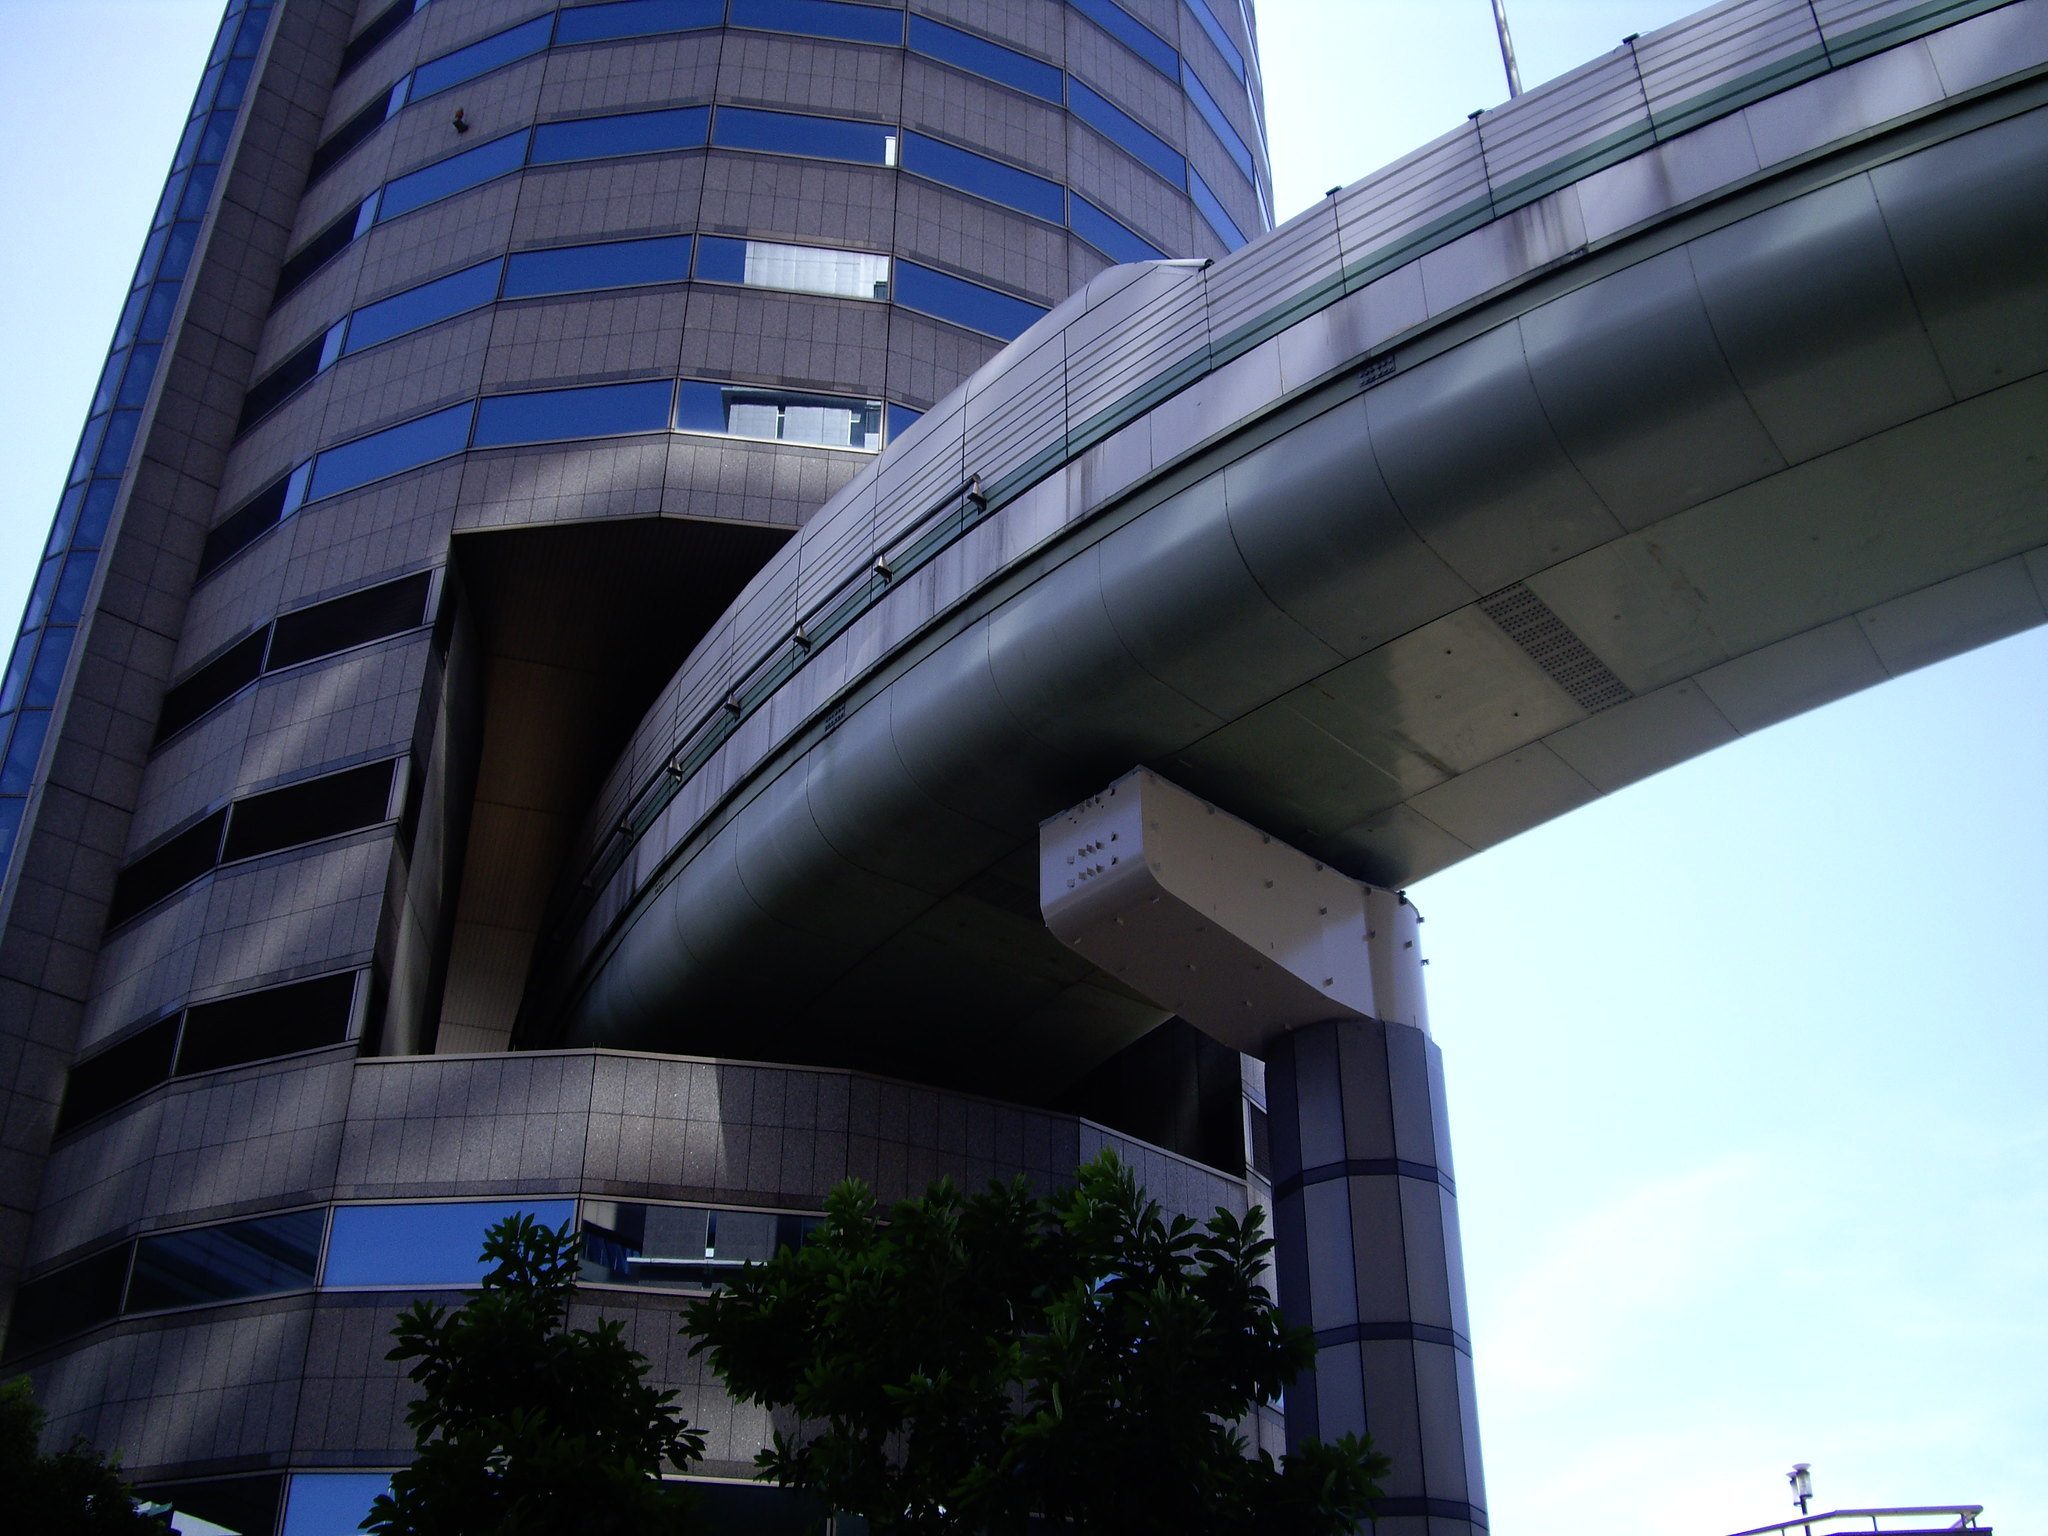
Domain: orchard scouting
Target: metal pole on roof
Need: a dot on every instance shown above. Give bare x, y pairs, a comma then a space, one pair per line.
1507, 48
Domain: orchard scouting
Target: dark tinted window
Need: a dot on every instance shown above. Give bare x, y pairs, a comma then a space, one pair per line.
282, 382
226, 1262
984, 177
239, 1504
1132, 33
791, 133
628, 133
432, 1244
681, 1247
635, 18
1117, 125
480, 57
49, 669
119, 1073
963, 303
19, 767
403, 447
821, 18
901, 419
305, 813
254, 518
1218, 36
93, 515
68, 602
1107, 235
1012, 68
169, 867
1212, 114
1212, 210
458, 173
178, 250
615, 264
213, 684
114, 446
551, 415
348, 136
277, 1021
354, 619
136, 380
423, 305
314, 254
67, 1301
388, 21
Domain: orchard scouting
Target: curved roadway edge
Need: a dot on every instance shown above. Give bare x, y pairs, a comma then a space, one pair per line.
1624, 508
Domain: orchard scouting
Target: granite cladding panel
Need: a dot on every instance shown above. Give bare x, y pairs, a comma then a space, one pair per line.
622, 77
586, 339
839, 346
610, 200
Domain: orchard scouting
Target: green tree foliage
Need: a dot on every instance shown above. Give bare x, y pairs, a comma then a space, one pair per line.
525, 1424
978, 1361
66, 1493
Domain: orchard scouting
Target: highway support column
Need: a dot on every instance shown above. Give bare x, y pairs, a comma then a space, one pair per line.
1274, 953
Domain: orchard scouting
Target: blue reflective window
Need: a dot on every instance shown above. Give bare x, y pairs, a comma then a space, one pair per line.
331, 1503
794, 268
552, 415
136, 380
627, 133
424, 305
113, 456
983, 177
178, 250
821, 18
1212, 114
225, 1262
69, 600
65, 520
1209, 24
480, 57
49, 669
188, 144
1124, 130
234, 83
615, 264
1212, 210
405, 446
779, 415
213, 140
156, 312
964, 49
1107, 235
901, 419
39, 595
20, 764
18, 665
636, 18
433, 1244
110, 378
198, 190
92, 517
10, 827
964, 303
791, 133
444, 178
1132, 33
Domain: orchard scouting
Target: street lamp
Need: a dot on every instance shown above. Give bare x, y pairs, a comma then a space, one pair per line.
1802, 1484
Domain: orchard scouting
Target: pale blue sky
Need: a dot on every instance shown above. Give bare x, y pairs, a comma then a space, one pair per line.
1747, 1063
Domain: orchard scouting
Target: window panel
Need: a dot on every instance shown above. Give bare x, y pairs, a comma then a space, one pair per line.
210, 686
113, 455
423, 305
329, 806
135, 381
347, 137
178, 250
313, 255
10, 819
256, 517
1125, 131
395, 449
1213, 210
118, 1074
213, 140
1108, 236
789, 416
282, 382
964, 303
243, 1506
1005, 65
457, 173
628, 133
49, 670
39, 596
331, 1503
17, 770
821, 18
1132, 33
635, 18
554, 415
1209, 24
681, 1247
110, 380
226, 1262
274, 1021
480, 57
431, 1244
1212, 114
983, 177
69, 600
388, 21
198, 192
156, 312
794, 268
614, 264
901, 419
92, 518
169, 867
792, 133
68, 1300
357, 618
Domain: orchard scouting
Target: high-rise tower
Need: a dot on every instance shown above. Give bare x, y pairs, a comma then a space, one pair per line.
480, 352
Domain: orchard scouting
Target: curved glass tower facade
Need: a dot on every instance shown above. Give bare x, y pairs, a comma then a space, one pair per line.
482, 351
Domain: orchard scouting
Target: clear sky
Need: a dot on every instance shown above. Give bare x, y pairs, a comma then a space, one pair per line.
1747, 1062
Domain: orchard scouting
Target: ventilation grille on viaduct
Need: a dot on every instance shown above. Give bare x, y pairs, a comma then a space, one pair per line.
1565, 659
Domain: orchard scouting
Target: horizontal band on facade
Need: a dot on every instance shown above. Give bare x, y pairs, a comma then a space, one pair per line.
1419, 1333
1364, 1168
